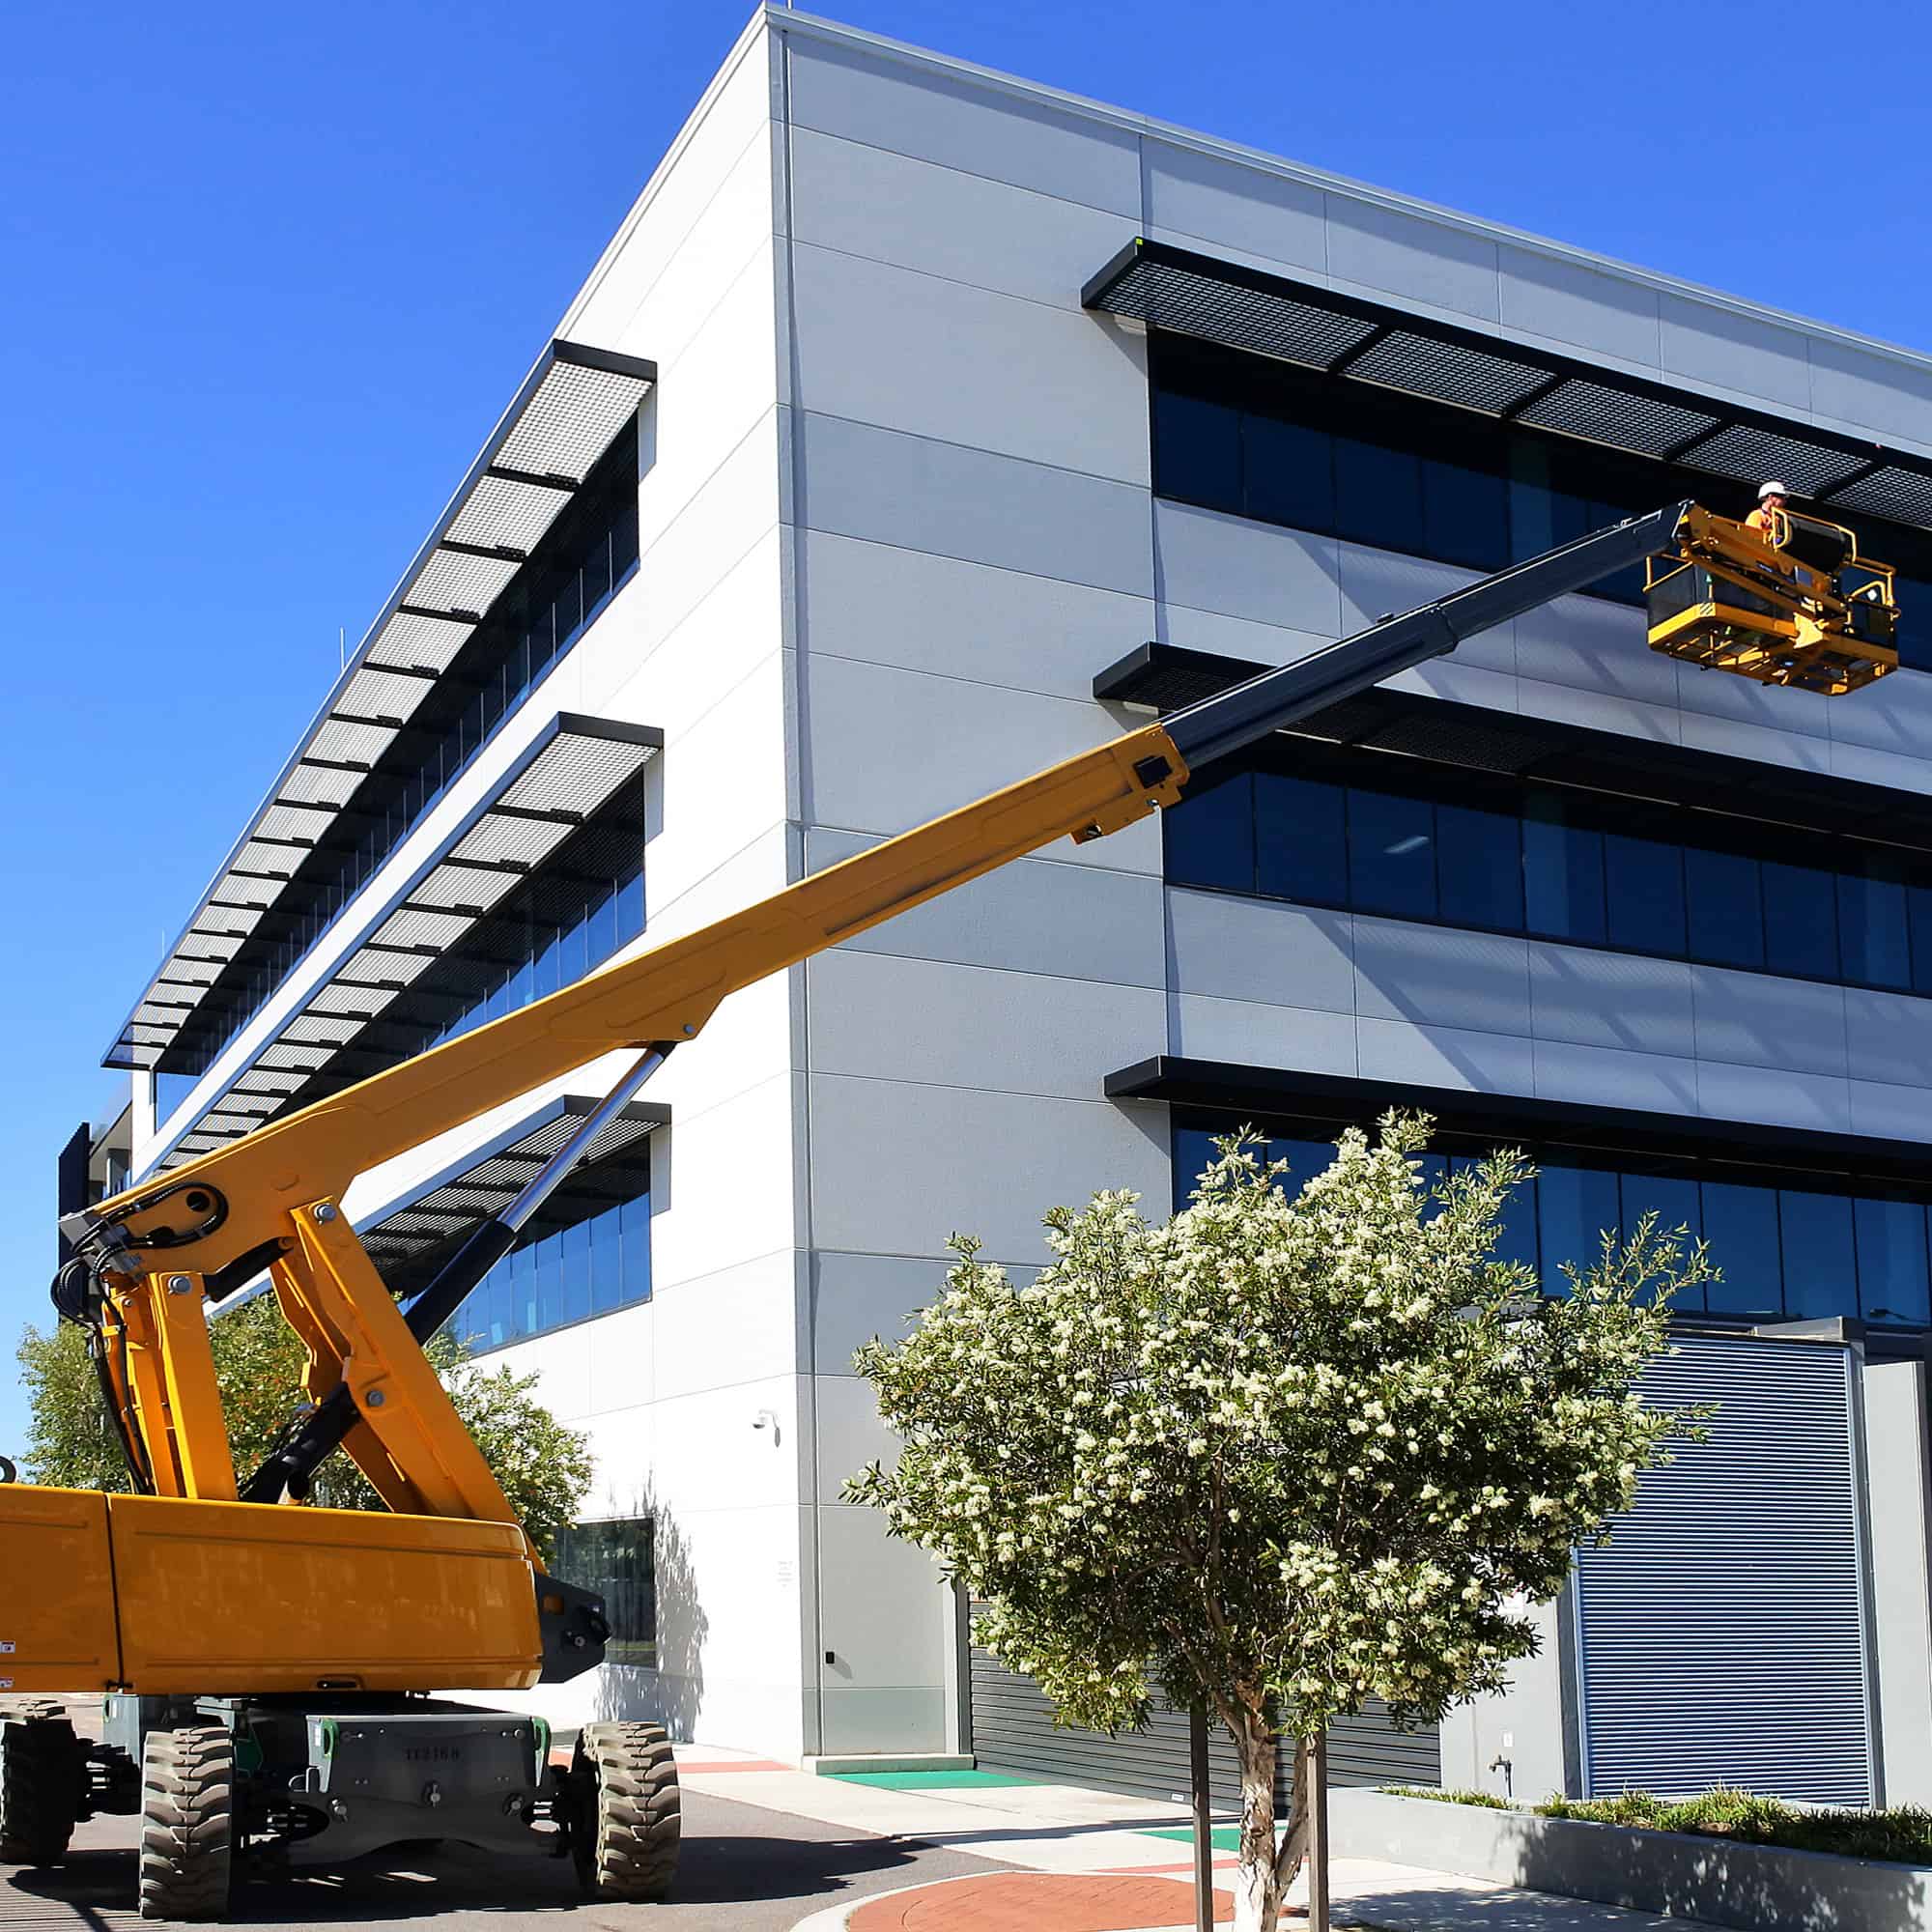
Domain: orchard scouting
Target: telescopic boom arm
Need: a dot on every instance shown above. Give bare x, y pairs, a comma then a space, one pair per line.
267, 1200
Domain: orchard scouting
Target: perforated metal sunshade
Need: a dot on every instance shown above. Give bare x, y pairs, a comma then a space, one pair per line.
1230, 302
568, 412
408, 1239
551, 794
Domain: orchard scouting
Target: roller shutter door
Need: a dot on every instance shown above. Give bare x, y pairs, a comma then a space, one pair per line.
1722, 1634
1013, 1730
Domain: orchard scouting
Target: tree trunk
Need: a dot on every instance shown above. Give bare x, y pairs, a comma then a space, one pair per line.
1258, 1880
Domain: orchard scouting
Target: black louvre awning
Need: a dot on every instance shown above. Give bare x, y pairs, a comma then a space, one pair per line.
568, 412
407, 1238
1329, 1101
1189, 294
549, 797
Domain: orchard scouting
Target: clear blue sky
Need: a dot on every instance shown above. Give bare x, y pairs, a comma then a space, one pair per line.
270, 273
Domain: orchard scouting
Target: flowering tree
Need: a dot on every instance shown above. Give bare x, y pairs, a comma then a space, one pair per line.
1280, 1454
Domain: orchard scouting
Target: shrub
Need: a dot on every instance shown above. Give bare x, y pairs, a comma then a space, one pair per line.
1902, 1835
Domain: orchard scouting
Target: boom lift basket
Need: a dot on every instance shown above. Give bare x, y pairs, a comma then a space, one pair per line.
1793, 605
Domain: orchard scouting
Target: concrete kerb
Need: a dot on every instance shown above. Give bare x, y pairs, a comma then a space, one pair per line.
1714, 1880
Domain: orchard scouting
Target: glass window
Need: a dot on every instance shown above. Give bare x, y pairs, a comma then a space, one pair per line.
1819, 1268
1741, 1224
1465, 515
1872, 926
1562, 872
525, 1313
1915, 620
615, 1560
1305, 1160
1197, 450
574, 1265
631, 906
1541, 515
1300, 839
1800, 920
1919, 917
1288, 473
1377, 495
1516, 1240
634, 1232
1211, 834
1643, 880
1671, 1197
606, 1261
1193, 1155
1479, 867
1891, 1237
1726, 908
1391, 854
1578, 1207
548, 1283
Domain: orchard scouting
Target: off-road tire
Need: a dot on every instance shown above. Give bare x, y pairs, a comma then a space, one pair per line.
187, 1831
40, 1785
625, 1834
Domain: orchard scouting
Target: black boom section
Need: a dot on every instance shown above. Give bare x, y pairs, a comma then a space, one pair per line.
1213, 728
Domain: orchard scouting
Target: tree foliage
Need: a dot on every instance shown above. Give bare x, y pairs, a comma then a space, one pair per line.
545, 1468
1284, 1453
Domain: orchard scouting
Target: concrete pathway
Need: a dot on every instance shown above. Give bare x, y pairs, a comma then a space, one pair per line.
1096, 1862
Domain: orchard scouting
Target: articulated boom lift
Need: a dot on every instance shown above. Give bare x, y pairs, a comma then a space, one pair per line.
265, 1664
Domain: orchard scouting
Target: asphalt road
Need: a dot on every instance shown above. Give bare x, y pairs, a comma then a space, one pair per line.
743, 1869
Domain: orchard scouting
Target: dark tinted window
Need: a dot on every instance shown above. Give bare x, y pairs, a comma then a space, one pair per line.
1479, 865
1287, 472
615, 1559
1794, 1252
1447, 483
1391, 854
1537, 860
1465, 515
1890, 1239
1819, 1268
1919, 915
1800, 923
1741, 1224
1872, 928
1210, 838
1726, 914
1197, 450
1643, 880
1301, 839
1377, 495
1562, 872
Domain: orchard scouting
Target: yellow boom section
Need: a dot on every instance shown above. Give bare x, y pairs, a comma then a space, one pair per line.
229, 1203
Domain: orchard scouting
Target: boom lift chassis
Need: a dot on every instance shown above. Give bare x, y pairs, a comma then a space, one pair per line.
267, 1665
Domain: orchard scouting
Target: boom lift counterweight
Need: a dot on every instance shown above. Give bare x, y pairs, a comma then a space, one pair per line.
278, 1654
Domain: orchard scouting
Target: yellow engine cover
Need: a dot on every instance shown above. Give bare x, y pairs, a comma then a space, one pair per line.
253, 1598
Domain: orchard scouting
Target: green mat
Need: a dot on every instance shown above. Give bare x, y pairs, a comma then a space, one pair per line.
928, 1780
1224, 1838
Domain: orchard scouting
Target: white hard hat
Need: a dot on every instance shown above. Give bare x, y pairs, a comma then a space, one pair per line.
1772, 490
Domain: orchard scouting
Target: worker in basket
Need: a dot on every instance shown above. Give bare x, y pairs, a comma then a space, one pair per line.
1771, 497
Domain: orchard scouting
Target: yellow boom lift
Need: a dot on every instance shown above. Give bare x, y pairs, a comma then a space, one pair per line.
265, 1660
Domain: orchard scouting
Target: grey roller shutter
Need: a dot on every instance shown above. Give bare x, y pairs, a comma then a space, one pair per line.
1722, 1634
1013, 1730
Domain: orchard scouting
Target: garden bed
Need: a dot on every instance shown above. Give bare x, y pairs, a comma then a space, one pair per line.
1713, 1858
